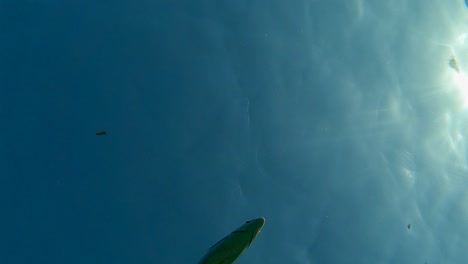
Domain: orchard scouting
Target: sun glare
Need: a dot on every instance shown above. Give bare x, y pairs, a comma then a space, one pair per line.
461, 81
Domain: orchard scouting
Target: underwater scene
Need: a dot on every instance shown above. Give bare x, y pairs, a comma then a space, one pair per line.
302, 131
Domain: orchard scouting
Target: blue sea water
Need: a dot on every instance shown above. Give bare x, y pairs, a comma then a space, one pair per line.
339, 121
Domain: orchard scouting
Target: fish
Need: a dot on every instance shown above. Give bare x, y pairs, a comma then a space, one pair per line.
228, 249
454, 64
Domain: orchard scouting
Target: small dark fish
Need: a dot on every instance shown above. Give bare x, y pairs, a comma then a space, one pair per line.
409, 226
100, 133
454, 64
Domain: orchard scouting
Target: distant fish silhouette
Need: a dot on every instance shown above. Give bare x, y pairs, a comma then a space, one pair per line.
100, 133
409, 225
453, 63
